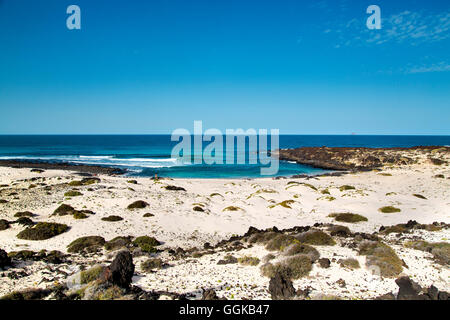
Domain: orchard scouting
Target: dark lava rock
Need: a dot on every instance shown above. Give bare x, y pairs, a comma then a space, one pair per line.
408, 289
207, 246
139, 294
324, 262
5, 261
209, 294
24, 221
304, 294
443, 295
138, 205
27, 214
122, 269
175, 188
228, 260
281, 288
37, 170
251, 230
433, 292
4, 224
387, 296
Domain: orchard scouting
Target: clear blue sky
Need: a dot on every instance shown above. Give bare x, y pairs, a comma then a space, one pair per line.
306, 67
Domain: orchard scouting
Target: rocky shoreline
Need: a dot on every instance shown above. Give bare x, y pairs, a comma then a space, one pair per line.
43, 165
362, 159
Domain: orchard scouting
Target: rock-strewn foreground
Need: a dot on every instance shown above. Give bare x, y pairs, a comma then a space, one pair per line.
380, 234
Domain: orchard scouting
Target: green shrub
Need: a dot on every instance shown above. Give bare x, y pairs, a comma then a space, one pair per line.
395, 229
24, 214
4, 224
92, 274
138, 205
72, 193
309, 186
148, 215
304, 249
262, 237
285, 204
75, 183
439, 250
316, 237
382, 257
389, 209
294, 267
349, 263
112, 218
232, 208
215, 194
24, 221
89, 244
348, 217
280, 242
147, 244
79, 215
248, 261
419, 196
346, 187
150, 264
198, 208
43, 231
64, 210
174, 188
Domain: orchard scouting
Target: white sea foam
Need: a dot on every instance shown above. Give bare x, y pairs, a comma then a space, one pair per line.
104, 160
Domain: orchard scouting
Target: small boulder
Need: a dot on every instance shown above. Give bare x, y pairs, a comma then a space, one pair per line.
408, 289
137, 205
4, 224
281, 288
209, 294
122, 269
324, 262
5, 261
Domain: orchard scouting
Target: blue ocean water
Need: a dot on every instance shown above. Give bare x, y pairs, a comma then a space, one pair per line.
147, 155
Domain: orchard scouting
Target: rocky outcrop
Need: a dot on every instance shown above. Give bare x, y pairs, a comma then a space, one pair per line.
358, 159
61, 166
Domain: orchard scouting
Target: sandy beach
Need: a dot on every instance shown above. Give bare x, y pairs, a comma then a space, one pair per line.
194, 221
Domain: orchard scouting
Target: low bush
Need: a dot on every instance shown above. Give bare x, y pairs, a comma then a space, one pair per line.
43, 231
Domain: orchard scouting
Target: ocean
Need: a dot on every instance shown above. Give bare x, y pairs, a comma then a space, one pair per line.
147, 155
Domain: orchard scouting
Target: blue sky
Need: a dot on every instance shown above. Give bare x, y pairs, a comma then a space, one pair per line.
306, 67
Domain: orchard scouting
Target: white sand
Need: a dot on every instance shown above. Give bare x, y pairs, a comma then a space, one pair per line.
177, 225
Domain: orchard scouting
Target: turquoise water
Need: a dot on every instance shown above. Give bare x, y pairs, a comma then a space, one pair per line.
147, 155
